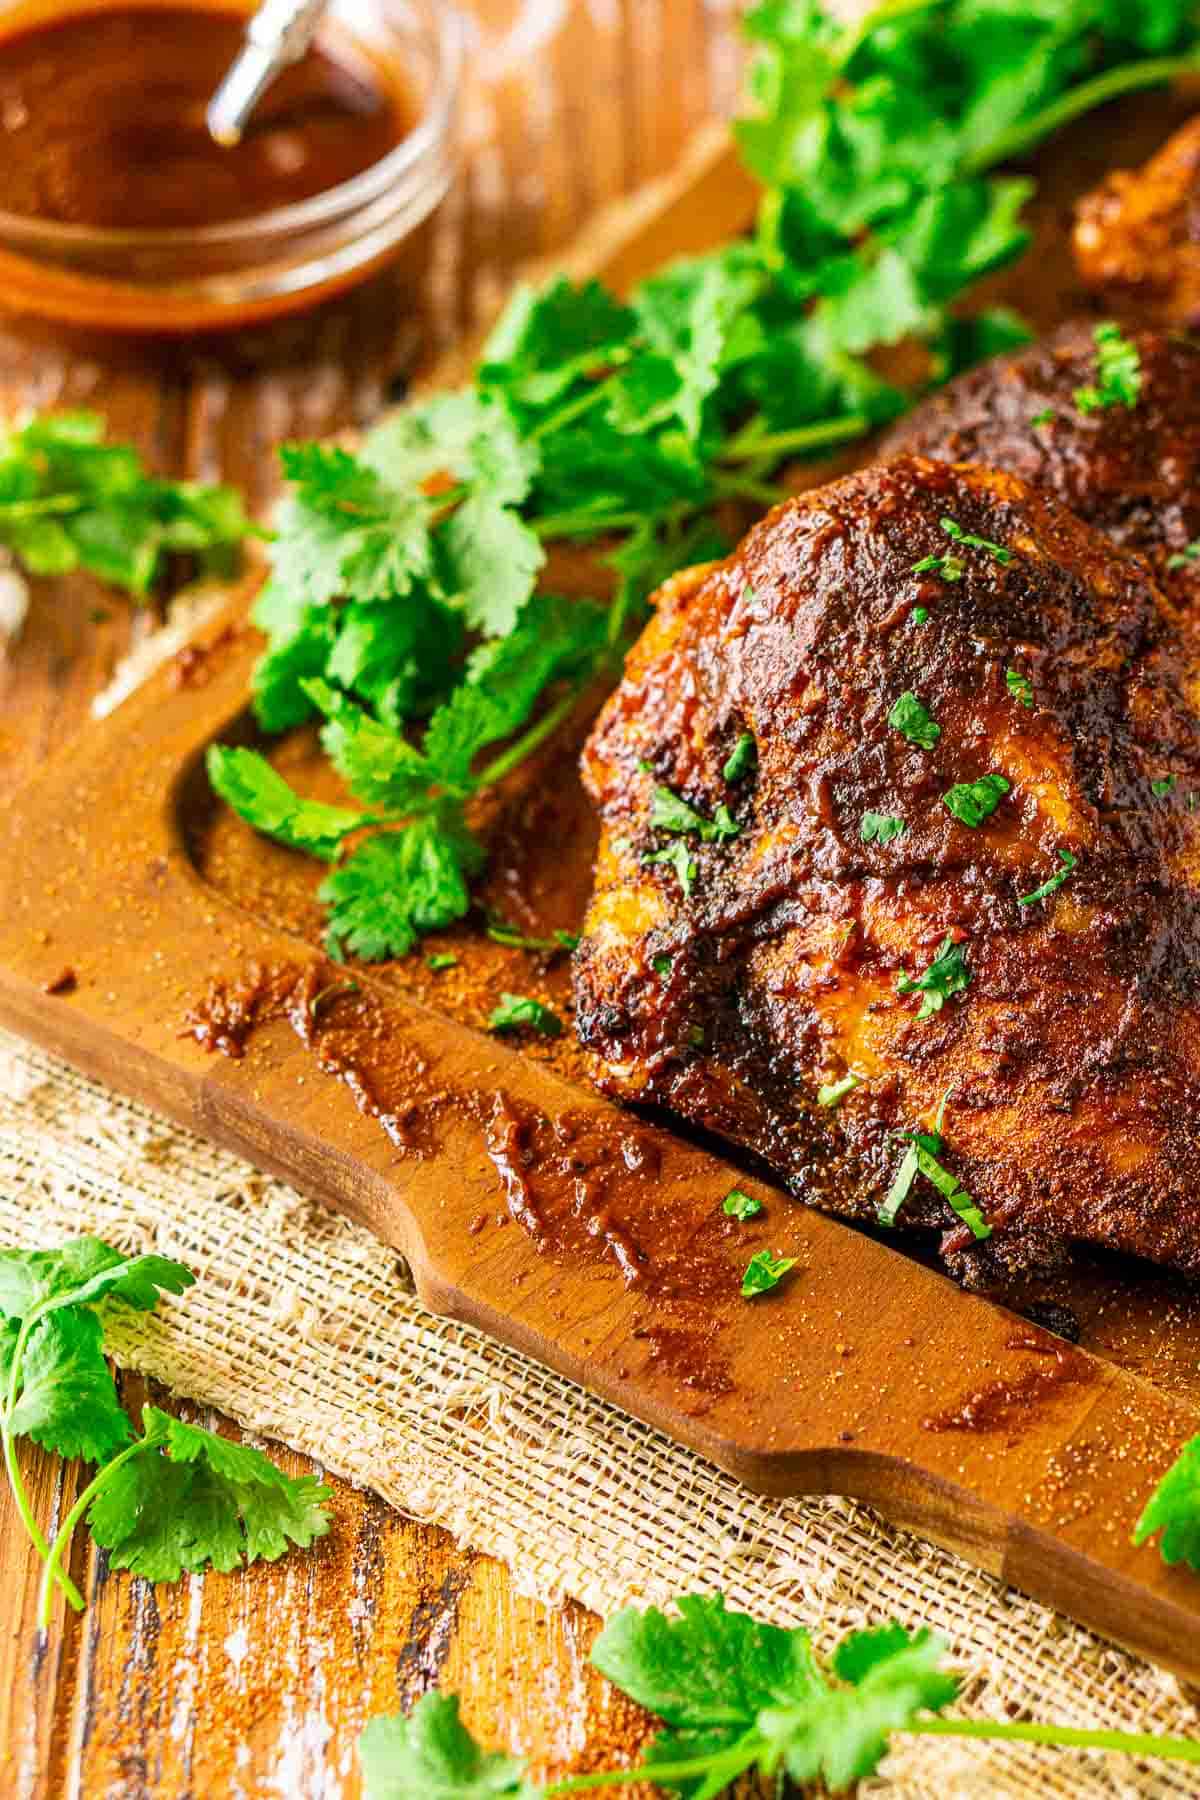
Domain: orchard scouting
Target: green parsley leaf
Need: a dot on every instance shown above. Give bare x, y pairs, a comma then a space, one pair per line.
764, 1272
949, 568
1182, 559
742, 759
1045, 417
430, 1755
947, 974
881, 828
669, 813
516, 1012
662, 965
681, 860
737, 1205
67, 1399
399, 884
69, 500
182, 1498
1019, 686
1174, 1509
832, 1093
919, 614
954, 530
260, 795
913, 720
1163, 785
972, 802
1118, 372
1052, 886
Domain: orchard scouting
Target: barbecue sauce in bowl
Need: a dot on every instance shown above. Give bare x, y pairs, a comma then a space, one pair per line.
118, 209
102, 122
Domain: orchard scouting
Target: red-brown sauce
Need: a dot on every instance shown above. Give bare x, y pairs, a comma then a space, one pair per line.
102, 121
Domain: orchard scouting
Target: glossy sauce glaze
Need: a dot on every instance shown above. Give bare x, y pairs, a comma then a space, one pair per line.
102, 122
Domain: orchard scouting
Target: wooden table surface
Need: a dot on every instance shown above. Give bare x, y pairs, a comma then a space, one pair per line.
258, 1684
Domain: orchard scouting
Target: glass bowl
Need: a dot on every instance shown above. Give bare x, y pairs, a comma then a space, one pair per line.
249, 270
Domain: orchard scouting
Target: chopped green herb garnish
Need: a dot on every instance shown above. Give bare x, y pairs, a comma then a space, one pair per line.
921, 1158
1183, 558
832, 1093
1118, 372
949, 568
880, 828
972, 802
913, 720
501, 932
743, 758
695, 1036
441, 959
765, 1271
1174, 1509
669, 813
947, 974
954, 530
919, 615
1045, 417
737, 1205
681, 860
1052, 886
1019, 686
662, 965
516, 1012
1163, 785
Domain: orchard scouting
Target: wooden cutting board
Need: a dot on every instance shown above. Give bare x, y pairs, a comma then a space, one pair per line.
137, 919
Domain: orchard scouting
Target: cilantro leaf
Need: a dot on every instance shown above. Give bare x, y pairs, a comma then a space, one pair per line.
186, 1499
344, 531
881, 828
1069, 862
1182, 559
545, 341
465, 435
680, 859
668, 812
67, 1400
399, 884
764, 1272
378, 765
1163, 785
1019, 686
1174, 1510
947, 974
83, 1271
972, 802
1118, 372
488, 561
737, 1205
913, 720
430, 1755
742, 759
260, 795
292, 656
949, 568
516, 1012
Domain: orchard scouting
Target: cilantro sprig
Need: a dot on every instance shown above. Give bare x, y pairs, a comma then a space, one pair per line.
69, 500
174, 1497
1118, 372
736, 1696
946, 975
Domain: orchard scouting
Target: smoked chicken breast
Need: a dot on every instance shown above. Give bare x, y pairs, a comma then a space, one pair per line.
923, 719
1131, 471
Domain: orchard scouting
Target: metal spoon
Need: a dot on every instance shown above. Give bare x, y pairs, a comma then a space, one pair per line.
279, 33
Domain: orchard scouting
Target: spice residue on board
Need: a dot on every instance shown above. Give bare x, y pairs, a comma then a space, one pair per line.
1010, 1403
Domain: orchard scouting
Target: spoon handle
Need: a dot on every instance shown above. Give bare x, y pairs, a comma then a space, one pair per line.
279, 33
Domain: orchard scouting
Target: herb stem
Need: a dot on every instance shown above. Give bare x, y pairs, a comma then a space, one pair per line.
727, 1763
57, 1550
580, 524
1108, 86
1131, 1743
13, 1467
753, 442
529, 740
574, 409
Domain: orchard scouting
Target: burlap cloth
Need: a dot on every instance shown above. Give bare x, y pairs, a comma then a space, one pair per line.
302, 1327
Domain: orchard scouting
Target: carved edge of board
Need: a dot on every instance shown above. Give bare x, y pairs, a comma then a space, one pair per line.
830, 1382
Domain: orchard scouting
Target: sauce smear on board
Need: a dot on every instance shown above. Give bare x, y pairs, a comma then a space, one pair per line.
102, 121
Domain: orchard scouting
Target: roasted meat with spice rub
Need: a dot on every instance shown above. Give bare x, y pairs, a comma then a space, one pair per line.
1137, 236
898, 837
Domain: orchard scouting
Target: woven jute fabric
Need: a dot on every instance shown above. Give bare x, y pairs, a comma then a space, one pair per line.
304, 1328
